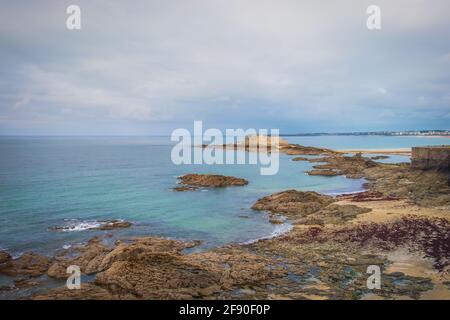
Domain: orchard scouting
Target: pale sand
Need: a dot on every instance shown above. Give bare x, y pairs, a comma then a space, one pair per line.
399, 151
383, 211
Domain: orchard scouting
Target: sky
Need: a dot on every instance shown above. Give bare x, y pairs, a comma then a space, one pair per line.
149, 67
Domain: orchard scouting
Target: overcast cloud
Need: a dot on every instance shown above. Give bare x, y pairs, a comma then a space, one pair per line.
147, 67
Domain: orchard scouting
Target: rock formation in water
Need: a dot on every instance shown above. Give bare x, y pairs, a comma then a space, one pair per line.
293, 203
4, 257
192, 181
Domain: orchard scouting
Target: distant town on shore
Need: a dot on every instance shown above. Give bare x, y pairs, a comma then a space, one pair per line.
375, 133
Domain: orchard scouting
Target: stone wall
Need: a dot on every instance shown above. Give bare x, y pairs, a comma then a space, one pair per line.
435, 157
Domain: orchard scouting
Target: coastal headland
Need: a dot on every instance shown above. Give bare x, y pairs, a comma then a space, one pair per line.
401, 223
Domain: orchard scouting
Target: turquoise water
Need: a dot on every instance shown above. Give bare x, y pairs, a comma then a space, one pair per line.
47, 182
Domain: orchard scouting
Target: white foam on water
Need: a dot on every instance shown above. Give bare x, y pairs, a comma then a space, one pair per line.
74, 225
343, 193
279, 230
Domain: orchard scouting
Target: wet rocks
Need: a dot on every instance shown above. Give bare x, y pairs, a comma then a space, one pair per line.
25, 283
424, 188
293, 203
209, 180
323, 172
185, 188
397, 283
352, 167
300, 159
75, 225
87, 291
4, 257
156, 268
296, 149
277, 219
335, 214
388, 181
29, 264
113, 224
88, 257
379, 157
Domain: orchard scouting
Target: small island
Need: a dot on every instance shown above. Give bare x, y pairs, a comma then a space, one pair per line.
193, 181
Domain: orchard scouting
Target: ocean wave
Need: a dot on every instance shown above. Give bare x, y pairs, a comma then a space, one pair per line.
279, 230
75, 225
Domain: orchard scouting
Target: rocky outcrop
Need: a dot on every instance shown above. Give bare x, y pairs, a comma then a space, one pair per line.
95, 225
209, 180
185, 188
300, 159
352, 167
293, 203
4, 257
334, 214
155, 268
424, 188
88, 257
307, 208
296, 149
87, 291
28, 264
114, 224
388, 181
323, 172
379, 157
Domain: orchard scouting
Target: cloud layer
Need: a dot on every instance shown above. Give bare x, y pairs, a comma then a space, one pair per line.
146, 67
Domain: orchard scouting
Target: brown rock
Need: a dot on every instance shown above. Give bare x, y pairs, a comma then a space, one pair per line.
88, 257
293, 203
25, 283
323, 172
296, 149
4, 257
113, 224
29, 264
185, 188
211, 180
155, 268
86, 292
379, 157
338, 214
352, 167
299, 159
58, 270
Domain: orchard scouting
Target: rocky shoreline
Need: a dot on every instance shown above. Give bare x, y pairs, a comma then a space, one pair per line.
400, 223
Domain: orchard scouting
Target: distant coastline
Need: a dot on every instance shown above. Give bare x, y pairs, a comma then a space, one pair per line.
409, 133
